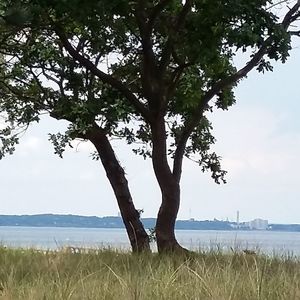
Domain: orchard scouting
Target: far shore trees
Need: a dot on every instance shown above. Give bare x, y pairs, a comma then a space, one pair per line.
168, 63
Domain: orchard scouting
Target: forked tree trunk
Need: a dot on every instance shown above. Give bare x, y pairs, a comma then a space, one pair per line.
138, 237
170, 190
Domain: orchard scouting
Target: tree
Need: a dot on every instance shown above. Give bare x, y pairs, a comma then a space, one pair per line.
173, 61
38, 78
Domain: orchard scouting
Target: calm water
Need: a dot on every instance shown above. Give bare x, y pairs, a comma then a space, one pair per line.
55, 238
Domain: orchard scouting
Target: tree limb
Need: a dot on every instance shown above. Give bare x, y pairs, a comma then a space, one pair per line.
297, 33
156, 11
149, 70
291, 16
184, 12
217, 87
167, 51
105, 78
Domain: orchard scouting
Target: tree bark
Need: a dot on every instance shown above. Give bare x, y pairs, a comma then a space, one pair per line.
138, 237
166, 218
170, 189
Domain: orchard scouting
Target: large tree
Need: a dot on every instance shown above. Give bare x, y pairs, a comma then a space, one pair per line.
169, 63
37, 78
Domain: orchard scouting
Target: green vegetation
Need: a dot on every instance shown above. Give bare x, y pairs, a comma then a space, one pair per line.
104, 274
147, 72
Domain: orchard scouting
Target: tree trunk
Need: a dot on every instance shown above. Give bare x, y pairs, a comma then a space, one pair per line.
166, 218
170, 189
138, 237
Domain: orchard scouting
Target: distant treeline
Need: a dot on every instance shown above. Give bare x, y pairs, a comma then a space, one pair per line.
52, 220
285, 227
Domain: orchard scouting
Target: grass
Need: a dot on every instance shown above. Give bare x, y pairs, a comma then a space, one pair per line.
106, 274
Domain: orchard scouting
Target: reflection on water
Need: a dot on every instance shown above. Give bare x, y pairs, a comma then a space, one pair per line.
55, 238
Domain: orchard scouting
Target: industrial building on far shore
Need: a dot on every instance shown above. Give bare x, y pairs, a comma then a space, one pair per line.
256, 224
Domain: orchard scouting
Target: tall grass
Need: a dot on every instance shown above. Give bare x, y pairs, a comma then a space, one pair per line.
105, 274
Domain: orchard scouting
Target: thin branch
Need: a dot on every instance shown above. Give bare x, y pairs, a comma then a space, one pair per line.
175, 77
80, 45
276, 4
297, 33
156, 11
16, 92
184, 12
37, 80
167, 51
49, 77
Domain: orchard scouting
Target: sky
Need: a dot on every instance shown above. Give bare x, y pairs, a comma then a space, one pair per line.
258, 140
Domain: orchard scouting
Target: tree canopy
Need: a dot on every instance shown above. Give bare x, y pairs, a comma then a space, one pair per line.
144, 71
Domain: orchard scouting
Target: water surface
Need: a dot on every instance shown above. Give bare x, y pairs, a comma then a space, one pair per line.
57, 237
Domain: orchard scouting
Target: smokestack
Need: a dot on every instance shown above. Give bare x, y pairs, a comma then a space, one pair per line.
238, 219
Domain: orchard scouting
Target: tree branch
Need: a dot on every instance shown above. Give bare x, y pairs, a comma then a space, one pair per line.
145, 32
184, 12
167, 51
292, 15
297, 33
149, 70
105, 78
156, 11
217, 87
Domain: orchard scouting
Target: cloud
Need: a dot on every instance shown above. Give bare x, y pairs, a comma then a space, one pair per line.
29, 145
256, 140
32, 143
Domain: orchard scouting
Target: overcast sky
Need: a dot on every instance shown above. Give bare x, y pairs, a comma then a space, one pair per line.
258, 138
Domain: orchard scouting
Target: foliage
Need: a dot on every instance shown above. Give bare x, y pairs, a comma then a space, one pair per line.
8, 141
121, 64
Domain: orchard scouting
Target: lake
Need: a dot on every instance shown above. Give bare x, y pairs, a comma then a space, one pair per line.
269, 242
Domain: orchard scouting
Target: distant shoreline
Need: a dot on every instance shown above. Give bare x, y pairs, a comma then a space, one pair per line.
76, 221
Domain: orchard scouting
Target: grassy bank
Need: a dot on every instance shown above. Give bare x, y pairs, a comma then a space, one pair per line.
29, 274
